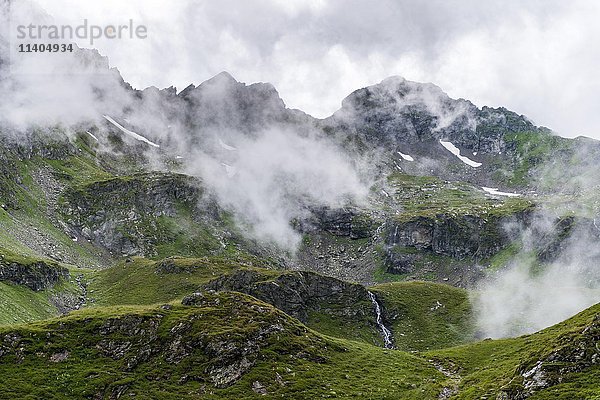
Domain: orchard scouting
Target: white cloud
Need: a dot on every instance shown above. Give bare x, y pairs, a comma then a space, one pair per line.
539, 58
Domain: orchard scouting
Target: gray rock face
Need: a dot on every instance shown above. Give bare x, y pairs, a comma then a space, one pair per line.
299, 293
458, 237
224, 101
578, 354
397, 111
121, 214
347, 222
49, 143
14, 148
222, 105
36, 276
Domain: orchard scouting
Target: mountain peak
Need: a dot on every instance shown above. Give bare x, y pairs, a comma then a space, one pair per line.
187, 90
223, 77
393, 79
394, 94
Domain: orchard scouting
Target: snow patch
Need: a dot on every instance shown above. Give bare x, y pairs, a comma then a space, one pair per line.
229, 170
226, 146
406, 157
92, 135
455, 150
130, 133
496, 192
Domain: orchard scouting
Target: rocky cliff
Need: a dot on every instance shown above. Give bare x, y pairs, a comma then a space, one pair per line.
36, 275
130, 215
301, 293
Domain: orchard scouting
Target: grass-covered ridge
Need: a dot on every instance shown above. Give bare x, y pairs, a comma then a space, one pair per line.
426, 315
226, 346
427, 196
143, 282
346, 314
411, 309
564, 355
230, 345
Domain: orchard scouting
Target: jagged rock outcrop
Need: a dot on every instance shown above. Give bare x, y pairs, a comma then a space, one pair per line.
412, 118
299, 293
50, 143
36, 276
398, 111
576, 353
218, 107
123, 214
168, 345
461, 236
348, 222
223, 101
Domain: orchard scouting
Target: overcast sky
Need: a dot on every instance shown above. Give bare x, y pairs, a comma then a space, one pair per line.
539, 58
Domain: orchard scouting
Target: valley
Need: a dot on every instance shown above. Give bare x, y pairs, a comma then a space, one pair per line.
139, 261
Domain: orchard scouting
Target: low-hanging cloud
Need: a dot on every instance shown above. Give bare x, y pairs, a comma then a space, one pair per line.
316, 53
538, 58
41, 89
272, 178
265, 171
531, 294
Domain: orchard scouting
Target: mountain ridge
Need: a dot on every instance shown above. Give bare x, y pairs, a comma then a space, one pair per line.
215, 243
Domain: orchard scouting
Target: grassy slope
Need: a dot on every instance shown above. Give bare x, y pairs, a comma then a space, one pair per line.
533, 150
294, 363
19, 304
489, 365
29, 211
139, 282
426, 315
30, 208
427, 196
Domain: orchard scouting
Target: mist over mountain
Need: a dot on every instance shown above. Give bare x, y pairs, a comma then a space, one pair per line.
114, 196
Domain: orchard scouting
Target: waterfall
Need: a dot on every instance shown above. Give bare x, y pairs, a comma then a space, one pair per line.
386, 333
